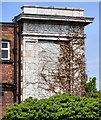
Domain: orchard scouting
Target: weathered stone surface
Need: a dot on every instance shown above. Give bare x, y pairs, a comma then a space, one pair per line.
52, 11
38, 55
41, 65
52, 51
44, 27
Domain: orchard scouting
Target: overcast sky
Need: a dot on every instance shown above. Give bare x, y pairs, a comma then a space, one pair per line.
11, 9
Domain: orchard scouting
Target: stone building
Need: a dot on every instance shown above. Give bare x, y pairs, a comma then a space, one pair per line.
48, 50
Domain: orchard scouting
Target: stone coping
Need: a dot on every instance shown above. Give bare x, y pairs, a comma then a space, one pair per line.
51, 7
45, 10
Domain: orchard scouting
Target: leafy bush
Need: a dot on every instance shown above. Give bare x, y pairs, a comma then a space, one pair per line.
58, 107
91, 84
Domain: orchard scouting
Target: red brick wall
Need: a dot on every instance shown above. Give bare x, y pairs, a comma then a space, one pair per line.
7, 66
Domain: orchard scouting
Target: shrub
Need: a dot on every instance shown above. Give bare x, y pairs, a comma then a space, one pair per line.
58, 107
91, 84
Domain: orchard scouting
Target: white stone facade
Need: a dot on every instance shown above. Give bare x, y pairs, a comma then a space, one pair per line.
41, 53
36, 55
46, 31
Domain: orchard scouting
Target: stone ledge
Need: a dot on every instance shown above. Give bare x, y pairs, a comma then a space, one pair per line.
55, 34
6, 62
83, 20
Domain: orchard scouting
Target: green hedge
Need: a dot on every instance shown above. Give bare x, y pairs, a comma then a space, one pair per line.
58, 107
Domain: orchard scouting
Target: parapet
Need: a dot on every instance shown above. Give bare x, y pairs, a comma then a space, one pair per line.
45, 10
46, 13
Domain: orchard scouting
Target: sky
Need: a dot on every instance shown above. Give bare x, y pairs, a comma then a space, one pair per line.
11, 9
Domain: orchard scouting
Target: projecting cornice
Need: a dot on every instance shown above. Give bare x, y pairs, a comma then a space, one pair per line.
84, 20
53, 14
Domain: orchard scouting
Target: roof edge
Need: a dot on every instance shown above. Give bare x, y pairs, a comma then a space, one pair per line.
51, 7
6, 23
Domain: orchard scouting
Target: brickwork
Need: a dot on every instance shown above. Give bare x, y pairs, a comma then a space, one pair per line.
7, 66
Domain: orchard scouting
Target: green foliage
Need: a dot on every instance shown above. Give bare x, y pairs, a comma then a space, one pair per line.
91, 85
58, 107
91, 90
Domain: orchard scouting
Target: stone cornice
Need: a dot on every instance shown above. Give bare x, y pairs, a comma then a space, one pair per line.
83, 20
55, 35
